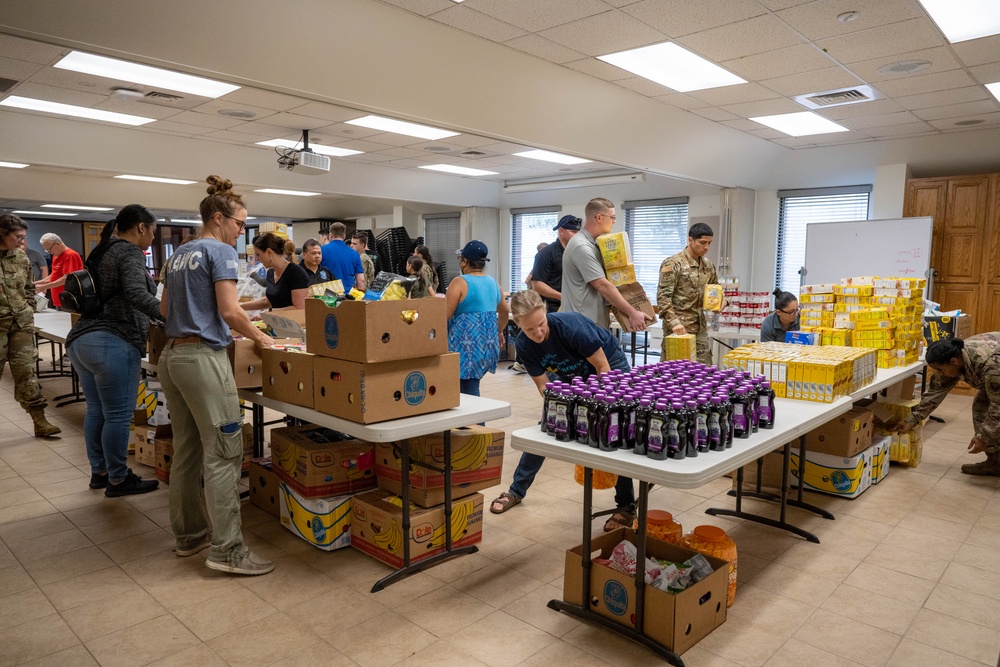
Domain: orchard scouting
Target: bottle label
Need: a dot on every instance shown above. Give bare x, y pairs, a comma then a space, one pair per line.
673, 433
613, 427
630, 429
582, 419
739, 417
714, 428
654, 442
550, 419
562, 418
701, 429
765, 411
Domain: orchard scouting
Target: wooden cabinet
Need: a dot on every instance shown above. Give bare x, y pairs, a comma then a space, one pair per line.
965, 248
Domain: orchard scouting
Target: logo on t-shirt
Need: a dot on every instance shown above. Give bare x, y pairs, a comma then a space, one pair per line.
331, 331
414, 388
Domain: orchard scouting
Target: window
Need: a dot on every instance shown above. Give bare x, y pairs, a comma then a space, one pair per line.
443, 236
529, 228
657, 229
800, 208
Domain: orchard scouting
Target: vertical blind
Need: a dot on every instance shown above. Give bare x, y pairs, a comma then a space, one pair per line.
801, 208
657, 229
529, 227
443, 236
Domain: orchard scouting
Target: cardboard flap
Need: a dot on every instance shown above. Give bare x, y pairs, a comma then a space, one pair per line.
285, 326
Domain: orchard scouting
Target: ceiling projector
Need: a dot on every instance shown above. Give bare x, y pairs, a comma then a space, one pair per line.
307, 162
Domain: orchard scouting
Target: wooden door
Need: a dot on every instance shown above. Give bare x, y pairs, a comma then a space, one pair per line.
964, 230
928, 197
91, 236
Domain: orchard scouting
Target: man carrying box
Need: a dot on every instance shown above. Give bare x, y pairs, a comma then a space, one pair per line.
681, 290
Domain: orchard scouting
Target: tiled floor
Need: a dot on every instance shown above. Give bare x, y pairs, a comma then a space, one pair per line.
904, 576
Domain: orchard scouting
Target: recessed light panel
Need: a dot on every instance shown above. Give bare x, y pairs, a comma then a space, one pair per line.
962, 20
122, 70
316, 148
800, 124
77, 208
994, 89
32, 104
155, 179
13, 165
462, 171
672, 66
293, 193
402, 127
549, 156
44, 213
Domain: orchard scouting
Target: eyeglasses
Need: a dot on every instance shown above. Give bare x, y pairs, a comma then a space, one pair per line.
241, 223
789, 312
613, 217
21, 237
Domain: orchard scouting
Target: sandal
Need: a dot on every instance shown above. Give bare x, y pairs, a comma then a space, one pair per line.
624, 517
504, 502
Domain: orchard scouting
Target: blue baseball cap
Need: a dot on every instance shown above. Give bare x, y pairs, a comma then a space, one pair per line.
474, 251
570, 222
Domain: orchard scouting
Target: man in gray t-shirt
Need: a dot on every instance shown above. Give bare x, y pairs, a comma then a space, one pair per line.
39, 269
193, 271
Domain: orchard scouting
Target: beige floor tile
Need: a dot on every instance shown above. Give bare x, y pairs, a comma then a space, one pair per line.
77, 656
65, 487
871, 608
562, 653
35, 639
974, 555
955, 636
289, 584
929, 525
798, 654
15, 579
324, 615
73, 501
32, 528
499, 543
68, 565
972, 579
533, 608
106, 616
179, 582
86, 588
319, 655
819, 559
908, 562
142, 643
372, 649
13, 483
443, 611
977, 609
539, 562
104, 511
763, 541
912, 653
456, 568
244, 646
760, 608
135, 523
806, 587
59, 475
139, 546
890, 583
741, 642
848, 638
39, 548
24, 607
699, 657
25, 511
199, 655
497, 585
224, 613
501, 640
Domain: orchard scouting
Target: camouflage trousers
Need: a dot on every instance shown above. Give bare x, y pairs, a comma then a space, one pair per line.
980, 406
702, 344
17, 348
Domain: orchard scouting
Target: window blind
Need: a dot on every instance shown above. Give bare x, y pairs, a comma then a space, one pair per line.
443, 236
529, 227
799, 209
657, 229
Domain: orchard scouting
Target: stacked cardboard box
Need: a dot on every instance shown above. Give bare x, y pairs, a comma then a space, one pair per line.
904, 448
616, 254
885, 314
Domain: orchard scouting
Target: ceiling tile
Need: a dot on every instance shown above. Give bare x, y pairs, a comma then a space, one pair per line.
836, 138
793, 142
643, 86
262, 98
599, 69
330, 112
768, 133
471, 141
230, 137
535, 16
743, 124
181, 128
966, 110
780, 62
956, 96
715, 113
831, 78
817, 20
295, 122
391, 139
351, 131
884, 41
986, 73
354, 144
212, 107
471, 21
26, 49
206, 120
925, 83
411, 163
940, 56
61, 95
681, 101
861, 122
778, 5
422, 7
873, 108
764, 108
979, 51
544, 48
683, 17
738, 94
373, 157
137, 108
52, 170
18, 70
400, 152
756, 35
991, 119
504, 148
605, 33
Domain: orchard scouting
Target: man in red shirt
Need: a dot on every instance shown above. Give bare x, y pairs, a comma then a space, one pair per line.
65, 260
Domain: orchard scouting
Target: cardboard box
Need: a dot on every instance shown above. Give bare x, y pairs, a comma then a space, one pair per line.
943, 327
621, 275
847, 477
803, 338
318, 462
367, 393
615, 250
164, 458
844, 436
264, 486
144, 438
476, 455
155, 343
376, 331
903, 389
636, 297
247, 430
377, 527
880, 458
288, 376
433, 497
677, 621
286, 323
770, 475
322, 522
244, 356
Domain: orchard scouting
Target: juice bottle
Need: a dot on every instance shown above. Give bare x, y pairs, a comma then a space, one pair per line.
741, 414
565, 405
701, 425
594, 430
584, 405
766, 405
656, 442
546, 396
630, 403
691, 419
753, 390
677, 431
725, 419
610, 424
641, 426
716, 439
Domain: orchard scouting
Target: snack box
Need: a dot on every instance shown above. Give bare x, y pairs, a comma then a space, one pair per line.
621, 275
822, 288
615, 250
803, 338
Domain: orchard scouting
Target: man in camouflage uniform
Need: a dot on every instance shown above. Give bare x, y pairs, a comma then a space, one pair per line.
977, 361
681, 291
17, 323
359, 242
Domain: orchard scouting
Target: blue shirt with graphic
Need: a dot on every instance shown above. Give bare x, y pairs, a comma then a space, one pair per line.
563, 355
191, 274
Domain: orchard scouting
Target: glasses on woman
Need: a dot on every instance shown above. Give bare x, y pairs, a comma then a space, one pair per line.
242, 223
789, 312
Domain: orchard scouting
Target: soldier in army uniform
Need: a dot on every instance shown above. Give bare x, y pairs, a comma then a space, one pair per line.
17, 323
681, 290
977, 361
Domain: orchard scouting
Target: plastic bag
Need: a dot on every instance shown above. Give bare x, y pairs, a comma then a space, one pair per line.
713, 298
390, 287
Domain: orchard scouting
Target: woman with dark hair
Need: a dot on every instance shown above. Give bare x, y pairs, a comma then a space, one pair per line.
17, 323
106, 348
287, 283
289, 250
200, 306
414, 267
312, 255
785, 318
977, 361
430, 275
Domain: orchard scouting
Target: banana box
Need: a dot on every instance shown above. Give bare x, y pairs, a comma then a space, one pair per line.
164, 451
156, 341
476, 463
615, 250
144, 439
621, 275
264, 486
324, 523
880, 459
377, 527
288, 376
847, 477
318, 462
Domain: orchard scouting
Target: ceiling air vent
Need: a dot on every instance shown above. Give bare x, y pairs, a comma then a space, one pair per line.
834, 98
157, 96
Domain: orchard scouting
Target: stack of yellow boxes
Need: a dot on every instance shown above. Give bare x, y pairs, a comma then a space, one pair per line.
806, 372
819, 314
683, 346
617, 256
905, 448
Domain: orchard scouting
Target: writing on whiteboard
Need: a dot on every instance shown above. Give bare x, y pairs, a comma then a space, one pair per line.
913, 253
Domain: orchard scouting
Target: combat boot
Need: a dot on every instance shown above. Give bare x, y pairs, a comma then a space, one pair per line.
43, 429
990, 467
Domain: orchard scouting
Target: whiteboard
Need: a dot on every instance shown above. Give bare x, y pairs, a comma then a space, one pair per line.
899, 247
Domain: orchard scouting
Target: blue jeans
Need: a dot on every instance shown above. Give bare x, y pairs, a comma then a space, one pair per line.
469, 386
109, 375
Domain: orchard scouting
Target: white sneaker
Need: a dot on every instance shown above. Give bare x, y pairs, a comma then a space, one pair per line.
249, 564
518, 367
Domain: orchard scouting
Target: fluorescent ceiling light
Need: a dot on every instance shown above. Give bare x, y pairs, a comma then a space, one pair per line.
672, 66
994, 88
961, 20
402, 127
549, 156
43, 213
464, 171
154, 179
31, 104
316, 148
541, 184
800, 124
122, 70
194, 220
78, 208
294, 193
13, 165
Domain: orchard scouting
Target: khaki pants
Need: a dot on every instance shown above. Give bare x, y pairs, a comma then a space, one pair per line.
17, 348
208, 442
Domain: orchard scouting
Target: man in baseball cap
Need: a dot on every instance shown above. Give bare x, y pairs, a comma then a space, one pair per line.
546, 274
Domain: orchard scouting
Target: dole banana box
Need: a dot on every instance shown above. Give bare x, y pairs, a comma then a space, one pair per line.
318, 462
264, 486
377, 331
288, 376
880, 459
377, 527
847, 477
615, 250
324, 523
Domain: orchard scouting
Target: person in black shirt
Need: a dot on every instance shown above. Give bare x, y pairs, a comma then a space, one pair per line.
312, 255
546, 274
287, 283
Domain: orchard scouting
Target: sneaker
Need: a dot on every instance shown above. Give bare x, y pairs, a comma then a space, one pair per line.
98, 481
247, 563
130, 486
205, 543
518, 367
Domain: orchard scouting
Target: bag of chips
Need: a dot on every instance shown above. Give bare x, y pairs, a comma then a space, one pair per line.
713, 298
